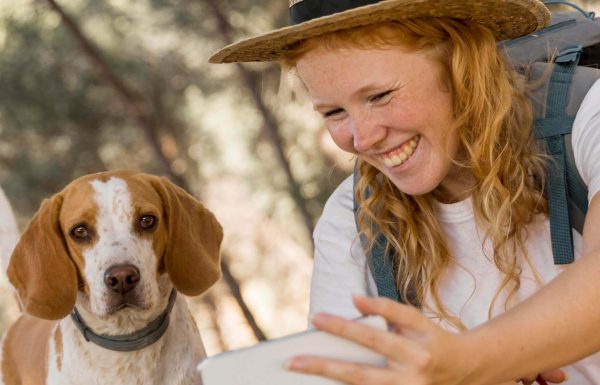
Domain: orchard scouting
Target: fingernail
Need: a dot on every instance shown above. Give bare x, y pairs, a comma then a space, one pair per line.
318, 319
296, 363
313, 318
566, 376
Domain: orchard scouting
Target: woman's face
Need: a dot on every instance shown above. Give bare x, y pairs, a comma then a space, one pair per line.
392, 109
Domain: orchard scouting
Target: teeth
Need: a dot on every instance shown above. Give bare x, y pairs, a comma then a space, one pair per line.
398, 156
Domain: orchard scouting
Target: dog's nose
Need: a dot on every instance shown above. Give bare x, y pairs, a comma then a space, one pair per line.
121, 278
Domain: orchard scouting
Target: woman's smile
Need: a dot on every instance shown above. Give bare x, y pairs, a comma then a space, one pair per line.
400, 154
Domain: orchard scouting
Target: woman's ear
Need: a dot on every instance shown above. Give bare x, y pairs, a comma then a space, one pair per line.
192, 254
40, 267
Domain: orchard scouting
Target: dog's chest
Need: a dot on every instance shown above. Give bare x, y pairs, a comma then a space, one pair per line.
170, 361
147, 368
134, 370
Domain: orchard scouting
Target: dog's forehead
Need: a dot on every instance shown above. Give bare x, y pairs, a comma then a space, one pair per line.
112, 196
78, 199
123, 192
142, 191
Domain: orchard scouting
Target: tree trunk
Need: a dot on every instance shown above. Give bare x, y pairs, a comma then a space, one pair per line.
270, 126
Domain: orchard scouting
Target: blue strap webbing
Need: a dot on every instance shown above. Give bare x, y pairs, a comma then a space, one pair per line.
552, 129
379, 261
383, 270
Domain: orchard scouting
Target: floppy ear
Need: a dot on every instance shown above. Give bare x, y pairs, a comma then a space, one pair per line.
40, 267
192, 253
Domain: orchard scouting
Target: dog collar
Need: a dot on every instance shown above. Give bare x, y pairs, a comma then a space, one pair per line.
128, 342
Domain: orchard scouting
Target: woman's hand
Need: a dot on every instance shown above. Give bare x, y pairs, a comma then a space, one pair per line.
419, 352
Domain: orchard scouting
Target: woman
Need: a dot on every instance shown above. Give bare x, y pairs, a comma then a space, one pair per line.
449, 175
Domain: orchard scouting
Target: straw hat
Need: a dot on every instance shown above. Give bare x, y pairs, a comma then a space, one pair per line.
308, 18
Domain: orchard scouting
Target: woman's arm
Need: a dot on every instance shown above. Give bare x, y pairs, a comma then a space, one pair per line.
567, 309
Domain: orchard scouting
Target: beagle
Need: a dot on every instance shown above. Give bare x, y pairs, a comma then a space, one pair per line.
97, 272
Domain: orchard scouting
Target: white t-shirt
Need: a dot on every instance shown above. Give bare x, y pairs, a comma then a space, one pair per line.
469, 285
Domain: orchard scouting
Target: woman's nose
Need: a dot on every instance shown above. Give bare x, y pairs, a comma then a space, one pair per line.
367, 133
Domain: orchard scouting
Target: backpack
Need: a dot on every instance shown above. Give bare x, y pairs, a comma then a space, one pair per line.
573, 40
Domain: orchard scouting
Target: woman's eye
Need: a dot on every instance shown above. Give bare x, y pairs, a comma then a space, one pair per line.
329, 114
147, 222
80, 232
378, 97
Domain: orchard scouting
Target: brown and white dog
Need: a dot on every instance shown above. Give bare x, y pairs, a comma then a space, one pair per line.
102, 261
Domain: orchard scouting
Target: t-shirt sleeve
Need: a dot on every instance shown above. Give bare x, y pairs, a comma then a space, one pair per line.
340, 267
586, 140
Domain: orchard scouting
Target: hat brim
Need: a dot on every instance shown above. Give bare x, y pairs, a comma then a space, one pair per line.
507, 19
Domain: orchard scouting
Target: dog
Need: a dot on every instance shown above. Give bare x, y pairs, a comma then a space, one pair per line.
97, 271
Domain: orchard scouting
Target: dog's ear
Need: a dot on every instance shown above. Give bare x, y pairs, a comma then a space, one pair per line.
40, 267
192, 254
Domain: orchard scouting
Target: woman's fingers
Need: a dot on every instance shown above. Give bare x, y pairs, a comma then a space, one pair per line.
428, 349
391, 345
401, 318
416, 348
555, 376
346, 372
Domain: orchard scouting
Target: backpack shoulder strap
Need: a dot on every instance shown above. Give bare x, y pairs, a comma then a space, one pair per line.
552, 130
556, 108
379, 261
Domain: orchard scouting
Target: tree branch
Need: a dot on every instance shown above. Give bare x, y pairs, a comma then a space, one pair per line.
270, 126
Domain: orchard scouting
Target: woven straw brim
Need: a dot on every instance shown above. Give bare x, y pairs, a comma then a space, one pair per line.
507, 19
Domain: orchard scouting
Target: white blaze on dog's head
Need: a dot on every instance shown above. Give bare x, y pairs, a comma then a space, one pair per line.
110, 230
121, 243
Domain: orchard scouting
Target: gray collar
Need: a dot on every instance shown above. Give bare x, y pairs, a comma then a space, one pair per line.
128, 342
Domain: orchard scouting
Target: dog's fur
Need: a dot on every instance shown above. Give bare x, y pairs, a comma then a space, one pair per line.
53, 271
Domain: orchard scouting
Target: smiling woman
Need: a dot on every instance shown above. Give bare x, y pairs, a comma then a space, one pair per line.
403, 109
450, 180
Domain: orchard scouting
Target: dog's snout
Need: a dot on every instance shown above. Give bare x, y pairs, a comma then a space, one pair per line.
121, 279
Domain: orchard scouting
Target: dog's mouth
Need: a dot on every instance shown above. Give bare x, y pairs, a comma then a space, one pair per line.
122, 306
118, 302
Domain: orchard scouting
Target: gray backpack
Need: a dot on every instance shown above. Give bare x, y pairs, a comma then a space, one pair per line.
573, 40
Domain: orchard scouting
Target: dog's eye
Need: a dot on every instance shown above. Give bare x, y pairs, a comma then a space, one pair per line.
147, 222
80, 232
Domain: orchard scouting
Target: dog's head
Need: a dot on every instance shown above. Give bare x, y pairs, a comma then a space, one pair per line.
114, 240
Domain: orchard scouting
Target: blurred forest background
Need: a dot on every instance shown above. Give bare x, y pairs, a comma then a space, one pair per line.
92, 85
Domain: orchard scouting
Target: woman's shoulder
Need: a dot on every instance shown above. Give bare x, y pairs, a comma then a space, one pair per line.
590, 102
586, 139
342, 197
338, 211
